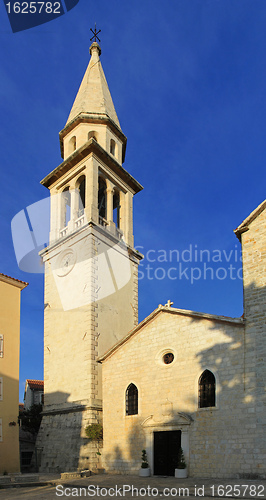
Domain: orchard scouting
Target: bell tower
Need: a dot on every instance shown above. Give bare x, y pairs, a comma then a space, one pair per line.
91, 269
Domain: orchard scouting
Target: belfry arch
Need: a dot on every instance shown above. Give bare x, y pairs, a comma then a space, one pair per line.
81, 191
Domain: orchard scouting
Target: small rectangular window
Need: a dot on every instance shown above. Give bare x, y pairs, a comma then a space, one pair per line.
1, 346
1, 388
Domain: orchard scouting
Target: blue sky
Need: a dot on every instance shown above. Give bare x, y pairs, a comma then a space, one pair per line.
188, 81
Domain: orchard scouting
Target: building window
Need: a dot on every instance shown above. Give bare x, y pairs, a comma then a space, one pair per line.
102, 198
1, 388
206, 389
66, 202
72, 145
26, 457
112, 147
1, 346
116, 209
132, 400
93, 134
82, 192
168, 358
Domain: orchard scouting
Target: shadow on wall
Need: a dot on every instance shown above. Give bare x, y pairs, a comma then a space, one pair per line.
62, 445
117, 461
229, 438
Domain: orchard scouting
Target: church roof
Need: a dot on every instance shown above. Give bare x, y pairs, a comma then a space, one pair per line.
170, 310
94, 96
243, 227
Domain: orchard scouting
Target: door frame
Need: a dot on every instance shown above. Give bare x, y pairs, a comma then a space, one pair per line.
181, 424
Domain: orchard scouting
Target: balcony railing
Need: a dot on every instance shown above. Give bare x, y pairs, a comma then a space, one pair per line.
115, 230
63, 232
119, 233
102, 221
80, 221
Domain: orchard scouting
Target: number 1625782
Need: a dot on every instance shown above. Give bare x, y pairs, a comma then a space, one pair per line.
34, 8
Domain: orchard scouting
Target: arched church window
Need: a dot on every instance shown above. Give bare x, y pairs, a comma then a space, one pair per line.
116, 208
112, 147
72, 145
132, 400
93, 134
206, 389
66, 207
102, 198
82, 193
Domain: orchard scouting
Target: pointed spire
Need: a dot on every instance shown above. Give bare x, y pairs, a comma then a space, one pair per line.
94, 96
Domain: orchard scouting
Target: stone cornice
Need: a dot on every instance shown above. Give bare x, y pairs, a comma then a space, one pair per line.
91, 146
70, 409
46, 252
97, 118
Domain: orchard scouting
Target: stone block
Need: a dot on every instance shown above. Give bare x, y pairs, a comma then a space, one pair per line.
5, 479
27, 478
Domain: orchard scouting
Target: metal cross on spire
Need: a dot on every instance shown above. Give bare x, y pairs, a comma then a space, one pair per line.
95, 33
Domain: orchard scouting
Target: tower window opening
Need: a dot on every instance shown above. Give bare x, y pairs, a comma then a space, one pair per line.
102, 198
82, 193
66, 206
112, 147
132, 400
206, 389
72, 145
93, 134
116, 209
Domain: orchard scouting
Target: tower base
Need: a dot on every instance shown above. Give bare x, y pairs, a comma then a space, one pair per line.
62, 444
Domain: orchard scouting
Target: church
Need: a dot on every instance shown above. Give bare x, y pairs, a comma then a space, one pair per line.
179, 378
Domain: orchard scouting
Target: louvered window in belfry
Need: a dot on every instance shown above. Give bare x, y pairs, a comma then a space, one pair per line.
206, 389
132, 400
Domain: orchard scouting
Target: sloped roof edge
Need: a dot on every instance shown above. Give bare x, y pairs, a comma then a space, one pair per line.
35, 384
13, 281
244, 225
171, 310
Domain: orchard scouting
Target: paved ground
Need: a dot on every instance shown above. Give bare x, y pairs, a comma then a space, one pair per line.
107, 486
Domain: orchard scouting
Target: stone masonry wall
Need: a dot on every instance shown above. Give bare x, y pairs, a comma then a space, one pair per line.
219, 442
254, 273
62, 445
82, 321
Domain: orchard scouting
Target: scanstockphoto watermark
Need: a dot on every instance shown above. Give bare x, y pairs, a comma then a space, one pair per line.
85, 272
193, 264
127, 490
40, 248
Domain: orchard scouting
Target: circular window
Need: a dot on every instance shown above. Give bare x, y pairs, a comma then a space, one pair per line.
168, 358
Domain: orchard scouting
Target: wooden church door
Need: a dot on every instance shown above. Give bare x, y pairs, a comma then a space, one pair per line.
166, 447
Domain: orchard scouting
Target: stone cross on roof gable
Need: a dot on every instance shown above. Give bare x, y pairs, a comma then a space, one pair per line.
169, 303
